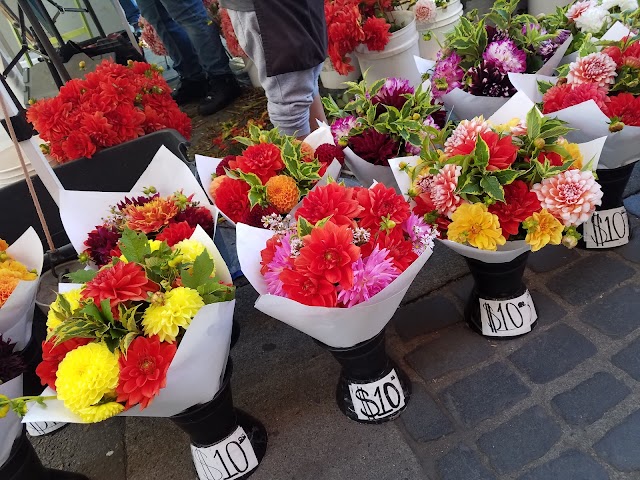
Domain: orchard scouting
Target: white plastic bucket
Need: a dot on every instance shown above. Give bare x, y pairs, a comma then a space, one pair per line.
333, 80
445, 22
536, 7
10, 168
396, 60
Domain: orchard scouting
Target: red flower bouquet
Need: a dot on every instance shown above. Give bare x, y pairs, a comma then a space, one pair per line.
271, 175
110, 106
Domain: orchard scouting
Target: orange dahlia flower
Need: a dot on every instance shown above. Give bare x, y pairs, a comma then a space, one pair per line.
7, 286
282, 193
151, 216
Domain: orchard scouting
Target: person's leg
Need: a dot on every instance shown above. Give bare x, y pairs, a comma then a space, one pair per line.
204, 35
131, 11
316, 111
176, 41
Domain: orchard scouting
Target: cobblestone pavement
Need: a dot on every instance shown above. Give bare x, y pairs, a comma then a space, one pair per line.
560, 403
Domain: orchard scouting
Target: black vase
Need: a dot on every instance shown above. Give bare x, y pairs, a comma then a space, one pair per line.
609, 225
225, 442
500, 305
32, 356
24, 464
371, 388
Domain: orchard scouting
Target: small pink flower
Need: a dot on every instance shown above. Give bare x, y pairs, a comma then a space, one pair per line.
579, 8
424, 183
597, 68
443, 190
465, 131
425, 11
571, 196
281, 260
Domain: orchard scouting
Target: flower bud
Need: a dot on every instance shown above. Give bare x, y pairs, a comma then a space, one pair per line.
130, 62
263, 139
561, 81
616, 126
4, 406
539, 143
83, 257
44, 148
82, 64
32, 101
416, 116
403, 165
343, 142
569, 241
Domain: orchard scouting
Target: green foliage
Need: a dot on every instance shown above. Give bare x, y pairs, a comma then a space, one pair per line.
81, 276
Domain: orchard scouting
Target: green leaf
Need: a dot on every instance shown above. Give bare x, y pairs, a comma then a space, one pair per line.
481, 154
543, 87
534, 122
371, 114
377, 85
505, 177
81, 276
304, 227
251, 178
322, 223
126, 341
105, 307
492, 187
200, 273
134, 246
471, 188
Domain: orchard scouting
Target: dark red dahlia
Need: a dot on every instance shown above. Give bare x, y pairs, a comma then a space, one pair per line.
255, 215
100, 242
224, 163
136, 201
195, 216
11, 363
374, 147
488, 81
326, 152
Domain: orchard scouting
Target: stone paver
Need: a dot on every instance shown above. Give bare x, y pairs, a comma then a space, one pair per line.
631, 251
620, 446
547, 309
570, 465
589, 277
423, 418
551, 257
521, 440
456, 348
485, 393
426, 315
462, 463
616, 314
632, 204
590, 400
628, 359
552, 353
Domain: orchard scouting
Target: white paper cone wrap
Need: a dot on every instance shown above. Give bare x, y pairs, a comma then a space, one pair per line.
10, 427
16, 315
367, 173
195, 374
336, 327
82, 211
206, 166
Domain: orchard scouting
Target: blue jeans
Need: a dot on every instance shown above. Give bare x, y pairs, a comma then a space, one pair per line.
131, 11
193, 44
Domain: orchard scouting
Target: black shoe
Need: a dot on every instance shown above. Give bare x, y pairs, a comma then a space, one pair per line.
223, 90
190, 90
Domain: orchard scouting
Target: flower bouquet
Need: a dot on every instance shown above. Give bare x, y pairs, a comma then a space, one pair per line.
496, 191
338, 273
600, 96
385, 120
110, 106
435, 19
271, 176
471, 73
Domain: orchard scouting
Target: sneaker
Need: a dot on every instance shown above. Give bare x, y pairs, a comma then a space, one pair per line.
223, 90
190, 90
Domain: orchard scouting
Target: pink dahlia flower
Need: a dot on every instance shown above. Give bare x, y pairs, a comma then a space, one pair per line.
571, 196
506, 57
443, 191
420, 233
370, 276
342, 126
597, 68
281, 260
578, 8
425, 11
467, 130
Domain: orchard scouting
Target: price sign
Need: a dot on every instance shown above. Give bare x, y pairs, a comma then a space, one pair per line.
379, 399
37, 429
231, 458
607, 229
508, 318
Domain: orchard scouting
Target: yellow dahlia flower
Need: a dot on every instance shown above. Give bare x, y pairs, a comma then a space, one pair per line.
188, 250
56, 316
98, 413
85, 375
154, 245
474, 224
574, 151
173, 310
13, 268
542, 229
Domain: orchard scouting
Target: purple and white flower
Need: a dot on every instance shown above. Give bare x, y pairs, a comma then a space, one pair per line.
447, 74
392, 93
506, 57
342, 126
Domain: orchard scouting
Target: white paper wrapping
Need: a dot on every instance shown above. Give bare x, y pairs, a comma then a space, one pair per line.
206, 166
82, 211
10, 427
336, 327
16, 315
465, 106
367, 173
195, 373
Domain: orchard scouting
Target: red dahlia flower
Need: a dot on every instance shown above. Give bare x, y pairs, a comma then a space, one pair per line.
52, 355
424, 204
143, 371
100, 242
263, 160
379, 203
176, 232
330, 200
326, 152
224, 163
565, 96
151, 216
374, 147
195, 216
122, 282
400, 249
78, 145
308, 289
376, 33
328, 254
555, 159
625, 108
520, 204
232, 197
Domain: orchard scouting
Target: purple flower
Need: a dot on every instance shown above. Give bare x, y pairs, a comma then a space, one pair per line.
11, 363
420, 233
392, 93
495, 35
506, 57
533, 27
370, 276
488, 81
447, 74
562, 36
281, 260
342, 126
